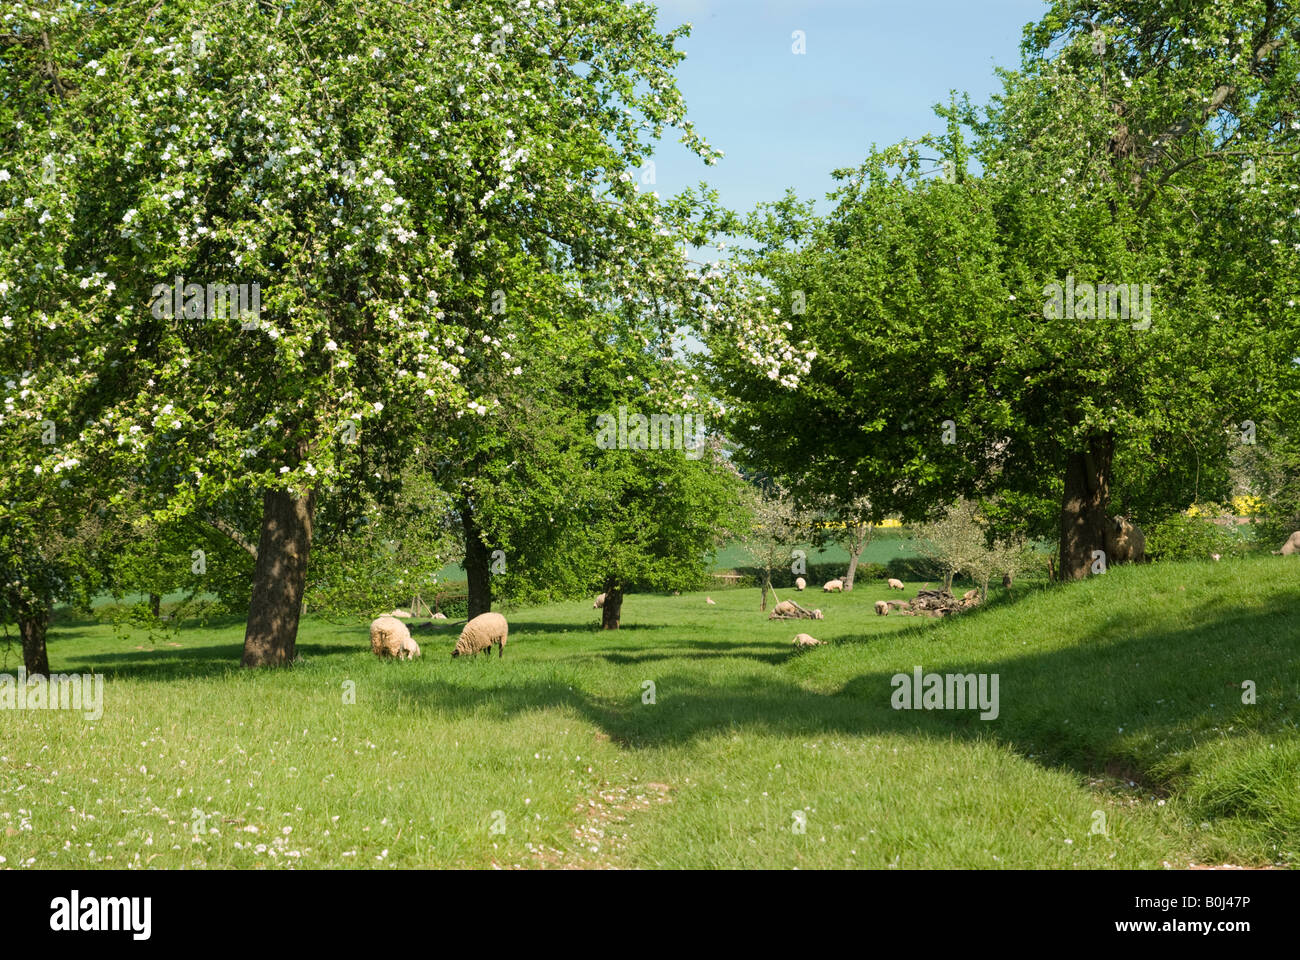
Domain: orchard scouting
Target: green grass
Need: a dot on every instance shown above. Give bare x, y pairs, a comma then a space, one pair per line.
1114, 701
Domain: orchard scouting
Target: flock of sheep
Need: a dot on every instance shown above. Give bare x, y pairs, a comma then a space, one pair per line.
389, 636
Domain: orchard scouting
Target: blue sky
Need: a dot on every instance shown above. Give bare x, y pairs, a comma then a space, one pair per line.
872, 72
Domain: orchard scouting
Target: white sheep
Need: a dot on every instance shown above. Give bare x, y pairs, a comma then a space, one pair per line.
481, 633
1292, 544
800, 583
970, 594
833, 585
895, 584
390, 638
598, 602
398, 613
803, 640
710, 601
882, 607
440, 616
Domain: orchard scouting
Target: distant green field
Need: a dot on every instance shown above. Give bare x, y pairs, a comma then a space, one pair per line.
696, 736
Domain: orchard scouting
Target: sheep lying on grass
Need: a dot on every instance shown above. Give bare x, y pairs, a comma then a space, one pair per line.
803, 640
710, 601
833, 585
398, 613
882, 607
800, 583
895, 584
789, 610
440, 616
481, 633
598, 602
1292, 545
390, 638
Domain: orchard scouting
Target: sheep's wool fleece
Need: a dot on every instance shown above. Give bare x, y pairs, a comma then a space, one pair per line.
481, 633
804, 640
389, 637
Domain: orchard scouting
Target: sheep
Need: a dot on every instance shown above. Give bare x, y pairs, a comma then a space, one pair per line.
895, 584
803, 640
832, 586
1124, 541
390, 638
440, 616
970, 594
480, 633
784, 609
398, 613
1292, 544
710, 601
598, 602
789, 610
882, 608
800, 583
1214, 557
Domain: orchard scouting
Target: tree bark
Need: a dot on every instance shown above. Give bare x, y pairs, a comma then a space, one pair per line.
767, 585
1083, 506
478, 573
155, 605
279, 578
612, 611
31, 628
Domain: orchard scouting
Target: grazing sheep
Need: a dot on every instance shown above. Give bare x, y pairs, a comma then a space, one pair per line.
895, 584
398, 613
710, 601
390, 638
800, 583
882, 608
598, 602
1125, 542
803, 640
833, 586
1292, 544
481, 633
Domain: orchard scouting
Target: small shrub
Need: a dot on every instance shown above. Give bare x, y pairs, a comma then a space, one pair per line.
1183, 537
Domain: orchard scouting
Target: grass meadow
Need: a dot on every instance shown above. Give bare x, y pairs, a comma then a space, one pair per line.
1122, 738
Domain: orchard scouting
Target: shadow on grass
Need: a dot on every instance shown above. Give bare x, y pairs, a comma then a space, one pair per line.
1127, 694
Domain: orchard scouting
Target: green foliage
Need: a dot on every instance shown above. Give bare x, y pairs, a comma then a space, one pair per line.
1183, 537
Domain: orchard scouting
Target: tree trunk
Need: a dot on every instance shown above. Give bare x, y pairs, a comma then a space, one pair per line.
1083, 507
279, 578
947, 581
612, 611
478, 573
155, 605
857, 544
767, 585
31, 628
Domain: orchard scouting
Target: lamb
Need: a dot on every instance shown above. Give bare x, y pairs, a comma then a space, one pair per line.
1292, 544
1124, 542
895, 584
598, 602
882, 608
803, 640
481, 633
390, 638
800, 583
832, 586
